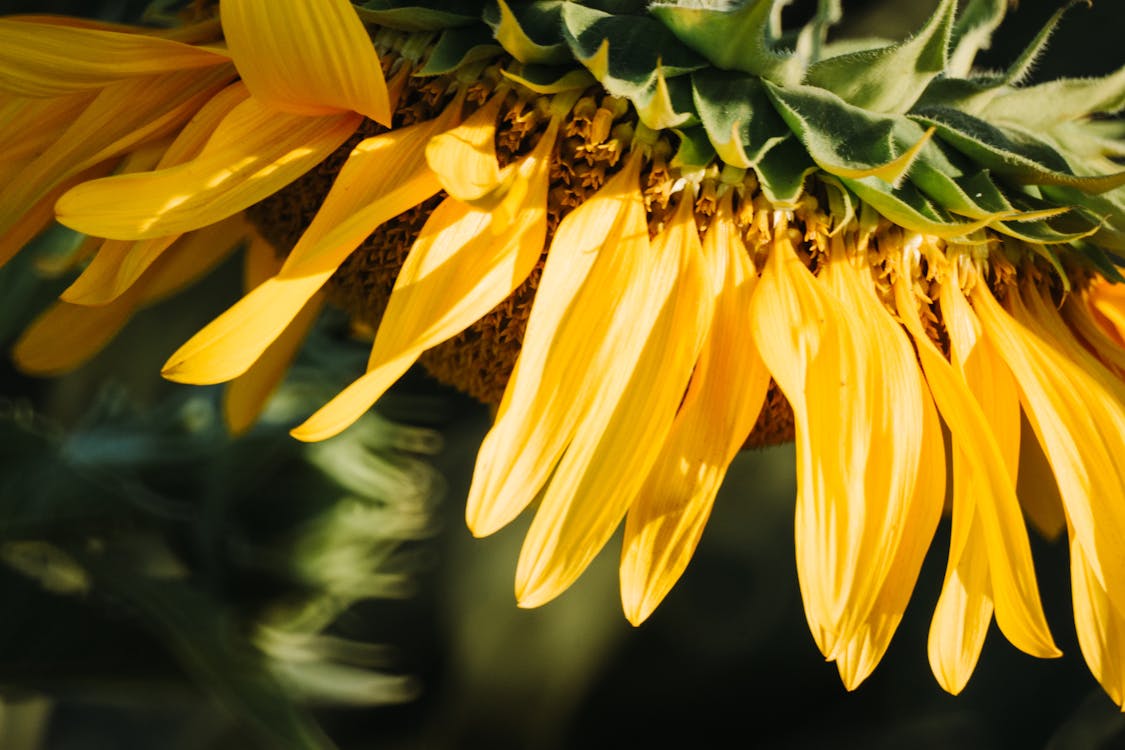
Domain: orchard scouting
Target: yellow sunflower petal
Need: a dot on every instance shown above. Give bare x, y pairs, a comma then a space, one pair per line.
553, 379
246, 396
463, 264
1099, 624
192, 257
1108, 300
1079, 419
977, 406
1103, 341
48, 60
255, 152
122, 116
383, 177
119, 263
29, 126
464, 159
66, 336
859, 656
660, 319
722, 404
40, 214
309, 57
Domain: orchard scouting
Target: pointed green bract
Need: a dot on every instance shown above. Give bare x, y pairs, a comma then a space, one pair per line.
889, 79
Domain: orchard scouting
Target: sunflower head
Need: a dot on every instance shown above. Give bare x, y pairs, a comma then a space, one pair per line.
649, 234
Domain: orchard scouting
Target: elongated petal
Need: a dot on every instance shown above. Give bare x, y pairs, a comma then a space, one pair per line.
964, 608
1099, 624
463, 264
119, 263
40, 214
859, 656
722, 404
310, 57
1102, 338
382, 177
975, 396
29, 126
246, 396
47, 60
255, 152
892, 424
67, 335
553, 380
122, 116
666, 306
1079, 419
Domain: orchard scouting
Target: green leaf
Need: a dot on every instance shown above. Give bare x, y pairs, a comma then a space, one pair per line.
738, 115
846, 140
1047, 104
1010, 153
695, 150
457, 47
782, 172
908, 207
420, 15
973, 32
1023, 65
530, 32
892, 78
733, 36
635, 58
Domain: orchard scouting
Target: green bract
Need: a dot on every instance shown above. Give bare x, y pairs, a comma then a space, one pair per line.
907, 127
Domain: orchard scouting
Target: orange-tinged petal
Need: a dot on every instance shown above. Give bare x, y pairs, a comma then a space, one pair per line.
67, 335
255, 152
559, 365
246, 396
382, 177
29, 126
1108, 300
660, 322
48, 60
40, 215
1103, 339
122, 116
119, 263
1079, 419
463, 264
859, 656
722, 404
310, 57
1099, 624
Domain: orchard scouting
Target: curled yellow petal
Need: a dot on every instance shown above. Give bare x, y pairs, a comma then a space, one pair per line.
308, 57
383, 177
255, 151
464, 158
464, 263
720, 408
123, 115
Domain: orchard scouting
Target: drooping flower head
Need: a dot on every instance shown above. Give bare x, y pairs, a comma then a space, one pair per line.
649, 234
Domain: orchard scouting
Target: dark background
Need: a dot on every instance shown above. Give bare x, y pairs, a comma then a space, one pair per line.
728, 654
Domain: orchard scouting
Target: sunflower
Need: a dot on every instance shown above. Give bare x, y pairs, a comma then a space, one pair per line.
650, 235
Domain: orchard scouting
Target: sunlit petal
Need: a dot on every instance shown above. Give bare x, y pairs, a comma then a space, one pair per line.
722, 404
661, 319
310, 57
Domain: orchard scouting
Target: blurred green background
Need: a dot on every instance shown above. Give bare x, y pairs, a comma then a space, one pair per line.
168, 587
